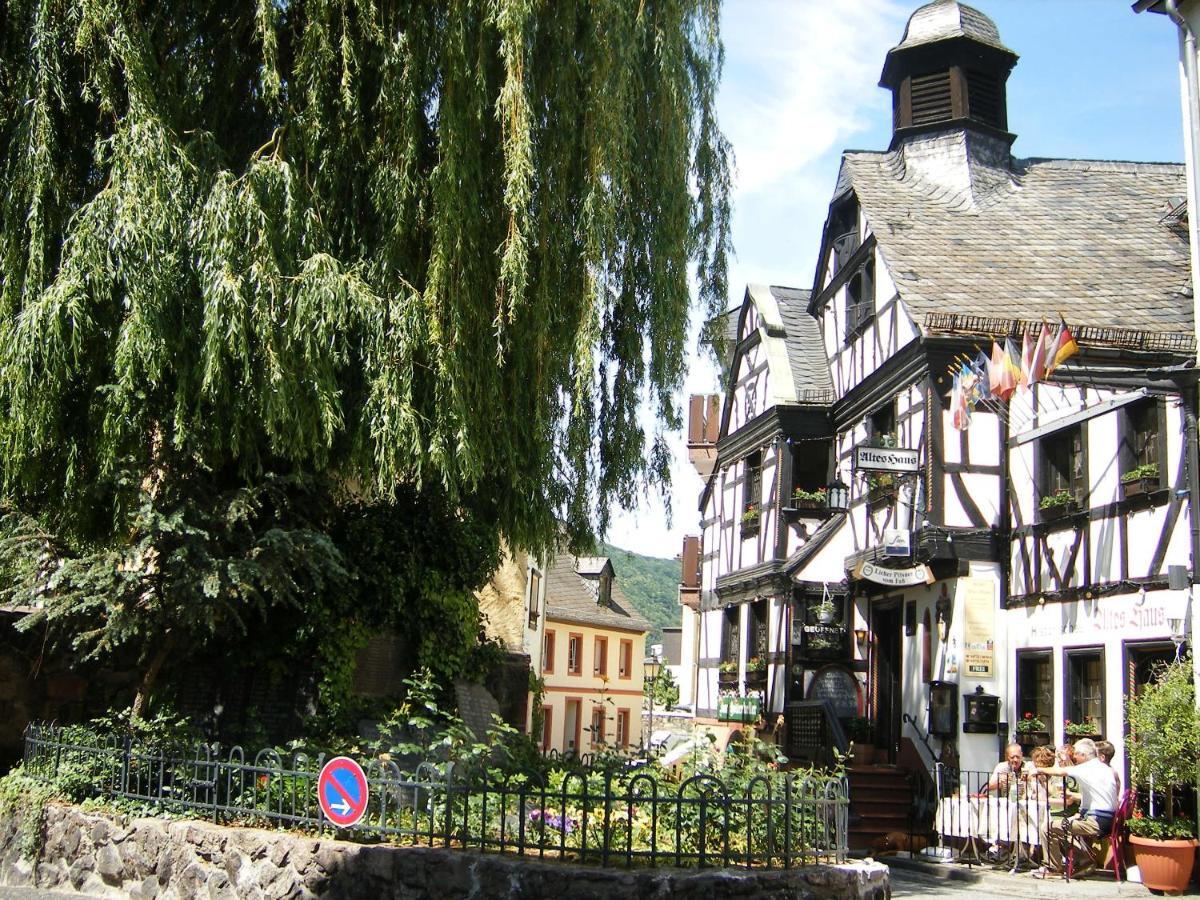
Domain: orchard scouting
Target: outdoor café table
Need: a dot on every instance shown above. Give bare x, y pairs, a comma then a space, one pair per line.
991, 820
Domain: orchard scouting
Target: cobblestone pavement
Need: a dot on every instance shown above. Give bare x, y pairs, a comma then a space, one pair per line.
917, 880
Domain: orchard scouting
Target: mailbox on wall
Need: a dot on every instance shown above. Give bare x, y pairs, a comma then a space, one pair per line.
981, 712
943, 708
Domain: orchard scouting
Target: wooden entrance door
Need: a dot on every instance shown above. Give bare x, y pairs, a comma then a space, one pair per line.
886, 669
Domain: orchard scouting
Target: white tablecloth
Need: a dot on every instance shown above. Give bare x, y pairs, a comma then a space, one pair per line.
992, 819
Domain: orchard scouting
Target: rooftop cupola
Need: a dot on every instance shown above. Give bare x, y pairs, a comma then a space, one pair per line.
948, 71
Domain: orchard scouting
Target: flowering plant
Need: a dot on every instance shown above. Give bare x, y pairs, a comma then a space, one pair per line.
750, 514
1086, 728
1030, 722
549, 819
1180, 828
756, 664
729, 667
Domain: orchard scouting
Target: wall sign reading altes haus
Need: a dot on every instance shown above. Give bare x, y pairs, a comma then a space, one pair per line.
886, 459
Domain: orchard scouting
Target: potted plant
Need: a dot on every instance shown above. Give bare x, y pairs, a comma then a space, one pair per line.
750, 519
1057, 505
881, 489
1031, 731
858, 729
727, 673
1164, 755
756, 671
802, 499
1087, 728
1140, 480
826, 611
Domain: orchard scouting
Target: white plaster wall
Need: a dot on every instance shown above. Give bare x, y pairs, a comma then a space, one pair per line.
1107, 622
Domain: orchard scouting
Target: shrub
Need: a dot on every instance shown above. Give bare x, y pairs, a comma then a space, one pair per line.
1164, 736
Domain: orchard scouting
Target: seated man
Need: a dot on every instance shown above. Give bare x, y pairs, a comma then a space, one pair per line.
1005, 781
1008, 774
1098, 788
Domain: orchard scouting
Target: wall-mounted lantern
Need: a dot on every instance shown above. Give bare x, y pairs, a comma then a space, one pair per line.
860, 635
837, 495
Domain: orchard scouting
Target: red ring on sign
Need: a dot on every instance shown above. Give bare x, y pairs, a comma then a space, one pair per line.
342, 791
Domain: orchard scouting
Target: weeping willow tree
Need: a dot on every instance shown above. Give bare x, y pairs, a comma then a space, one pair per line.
369, 242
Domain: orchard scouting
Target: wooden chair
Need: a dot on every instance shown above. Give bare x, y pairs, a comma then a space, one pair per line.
1115, 849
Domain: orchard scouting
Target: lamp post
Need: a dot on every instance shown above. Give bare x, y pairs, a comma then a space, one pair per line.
650, 668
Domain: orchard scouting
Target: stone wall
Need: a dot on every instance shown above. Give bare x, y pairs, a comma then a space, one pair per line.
111, 856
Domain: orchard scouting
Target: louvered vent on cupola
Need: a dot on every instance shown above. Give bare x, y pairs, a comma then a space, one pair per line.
985, 98
931, 98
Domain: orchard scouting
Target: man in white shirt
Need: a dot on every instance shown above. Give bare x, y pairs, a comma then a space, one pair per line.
1099, 790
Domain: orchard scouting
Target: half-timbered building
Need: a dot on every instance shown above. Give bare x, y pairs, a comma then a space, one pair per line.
1034, 559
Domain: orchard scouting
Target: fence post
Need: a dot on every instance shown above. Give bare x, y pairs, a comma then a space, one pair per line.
607, 817
126, 746
787, 822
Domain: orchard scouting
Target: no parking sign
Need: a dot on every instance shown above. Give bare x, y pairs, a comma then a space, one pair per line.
342, 791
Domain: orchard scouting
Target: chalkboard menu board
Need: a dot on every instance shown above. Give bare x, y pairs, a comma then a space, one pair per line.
838, 687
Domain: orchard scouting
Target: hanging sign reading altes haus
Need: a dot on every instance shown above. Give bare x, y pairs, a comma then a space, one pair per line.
894, 577
886, 459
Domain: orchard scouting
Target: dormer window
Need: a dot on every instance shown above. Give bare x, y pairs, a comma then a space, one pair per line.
860, 300
604, 597
843, 233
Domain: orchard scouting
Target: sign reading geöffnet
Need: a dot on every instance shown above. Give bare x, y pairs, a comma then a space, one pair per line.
886, 459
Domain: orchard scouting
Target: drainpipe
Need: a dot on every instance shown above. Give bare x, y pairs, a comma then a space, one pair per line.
1187, 41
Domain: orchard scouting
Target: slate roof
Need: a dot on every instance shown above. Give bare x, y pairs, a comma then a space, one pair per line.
805, 346
1078, 237
570, 597
945, 19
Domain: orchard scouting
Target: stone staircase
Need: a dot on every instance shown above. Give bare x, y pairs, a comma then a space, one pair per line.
880, 802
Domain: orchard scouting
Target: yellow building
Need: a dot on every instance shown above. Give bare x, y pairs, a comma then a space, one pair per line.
593, 646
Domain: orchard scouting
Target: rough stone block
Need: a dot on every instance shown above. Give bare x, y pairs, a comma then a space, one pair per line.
146, 890
109, 864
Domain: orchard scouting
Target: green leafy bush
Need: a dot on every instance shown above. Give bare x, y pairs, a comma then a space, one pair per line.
1164, 738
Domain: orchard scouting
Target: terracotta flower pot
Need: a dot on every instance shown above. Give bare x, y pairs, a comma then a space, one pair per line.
1165, 865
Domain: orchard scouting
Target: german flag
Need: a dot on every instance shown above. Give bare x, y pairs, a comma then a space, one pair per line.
1062, 348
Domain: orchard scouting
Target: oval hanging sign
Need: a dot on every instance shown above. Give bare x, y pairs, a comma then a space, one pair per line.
884, 575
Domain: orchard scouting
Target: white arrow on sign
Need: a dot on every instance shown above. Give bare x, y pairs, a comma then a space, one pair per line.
342, 809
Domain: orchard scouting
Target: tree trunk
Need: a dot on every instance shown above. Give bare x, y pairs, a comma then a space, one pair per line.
149, 677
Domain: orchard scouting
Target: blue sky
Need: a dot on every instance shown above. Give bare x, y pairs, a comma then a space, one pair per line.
1094, 81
